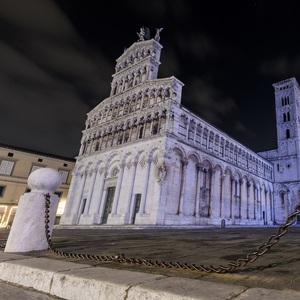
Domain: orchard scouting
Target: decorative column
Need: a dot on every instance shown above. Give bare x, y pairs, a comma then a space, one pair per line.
101, 190
77, 206
145, 189
91, 190
232, 196
255, 192
241, 181
215, 193
131, 185
71, 194
187, 130
198, 185
222, 193
182, 186
118, 188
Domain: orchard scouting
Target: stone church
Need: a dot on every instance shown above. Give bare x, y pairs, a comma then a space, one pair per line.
145, 159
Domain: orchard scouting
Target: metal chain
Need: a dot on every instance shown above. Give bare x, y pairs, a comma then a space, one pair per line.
2, 245
120, 258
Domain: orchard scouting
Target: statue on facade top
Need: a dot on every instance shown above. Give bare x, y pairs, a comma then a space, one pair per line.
144, 34
157, 36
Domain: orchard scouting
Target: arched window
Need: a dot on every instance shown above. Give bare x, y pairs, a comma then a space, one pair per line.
288, 116
284, 117
282, 197
288, 135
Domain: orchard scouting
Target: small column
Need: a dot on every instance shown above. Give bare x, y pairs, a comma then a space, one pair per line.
146, 182
232, 196
222, 203
118, 188
197, 202
90, 194
99, 197
131, 185
182, 187
71, 194
77, 206
28, 229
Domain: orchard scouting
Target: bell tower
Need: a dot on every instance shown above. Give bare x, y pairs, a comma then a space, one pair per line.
287, 105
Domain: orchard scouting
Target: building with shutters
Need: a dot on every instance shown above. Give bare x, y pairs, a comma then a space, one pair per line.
16, 164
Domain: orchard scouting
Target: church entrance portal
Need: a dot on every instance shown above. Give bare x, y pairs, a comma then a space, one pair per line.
108, 203
136, 206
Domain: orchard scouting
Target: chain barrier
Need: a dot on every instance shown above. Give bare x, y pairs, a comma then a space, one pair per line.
2, 245
120, 258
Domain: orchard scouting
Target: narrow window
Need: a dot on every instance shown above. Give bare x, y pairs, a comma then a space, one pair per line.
141, 129
83, 205
282, 198
288, 134
288, 116
284, 117
2, 189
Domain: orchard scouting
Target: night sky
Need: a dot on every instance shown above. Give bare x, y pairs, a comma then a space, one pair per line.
57, 59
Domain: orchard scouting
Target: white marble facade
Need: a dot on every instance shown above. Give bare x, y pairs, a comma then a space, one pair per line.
145, 159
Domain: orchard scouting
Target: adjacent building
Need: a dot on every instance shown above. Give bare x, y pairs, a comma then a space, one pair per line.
146, 159
16, 164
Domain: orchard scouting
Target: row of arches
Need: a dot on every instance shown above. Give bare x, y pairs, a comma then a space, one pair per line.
204, 188
204, 137
176, 188
124, 132
105, 189
140, 101
131, 79
135, 56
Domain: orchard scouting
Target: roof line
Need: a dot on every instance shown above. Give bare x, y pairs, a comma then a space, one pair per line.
37, 152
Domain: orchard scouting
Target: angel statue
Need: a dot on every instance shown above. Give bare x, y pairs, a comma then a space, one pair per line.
157, 36
144, 34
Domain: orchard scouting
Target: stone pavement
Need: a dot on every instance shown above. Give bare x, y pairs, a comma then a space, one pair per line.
273, 276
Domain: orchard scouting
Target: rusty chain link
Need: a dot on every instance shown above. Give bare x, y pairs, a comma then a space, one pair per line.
120, 258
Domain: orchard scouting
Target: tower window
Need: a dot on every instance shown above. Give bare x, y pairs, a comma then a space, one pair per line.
284, 117
285, 101
288, 135
282, 197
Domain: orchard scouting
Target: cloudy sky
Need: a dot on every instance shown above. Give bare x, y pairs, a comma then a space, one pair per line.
57, 58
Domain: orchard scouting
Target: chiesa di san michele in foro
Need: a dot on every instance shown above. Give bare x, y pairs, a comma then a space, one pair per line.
145, 159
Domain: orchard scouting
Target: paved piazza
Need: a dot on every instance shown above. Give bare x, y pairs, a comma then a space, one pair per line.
278, 269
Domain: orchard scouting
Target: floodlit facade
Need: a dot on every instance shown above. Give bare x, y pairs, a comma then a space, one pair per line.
16, 164
145, 159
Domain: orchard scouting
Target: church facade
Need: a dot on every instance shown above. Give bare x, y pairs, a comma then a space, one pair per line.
145, 159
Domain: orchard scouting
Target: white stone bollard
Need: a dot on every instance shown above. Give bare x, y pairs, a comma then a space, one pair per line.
27, 232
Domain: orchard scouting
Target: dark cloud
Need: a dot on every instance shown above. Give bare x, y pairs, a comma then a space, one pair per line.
57, 59
209, 102
49, 78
